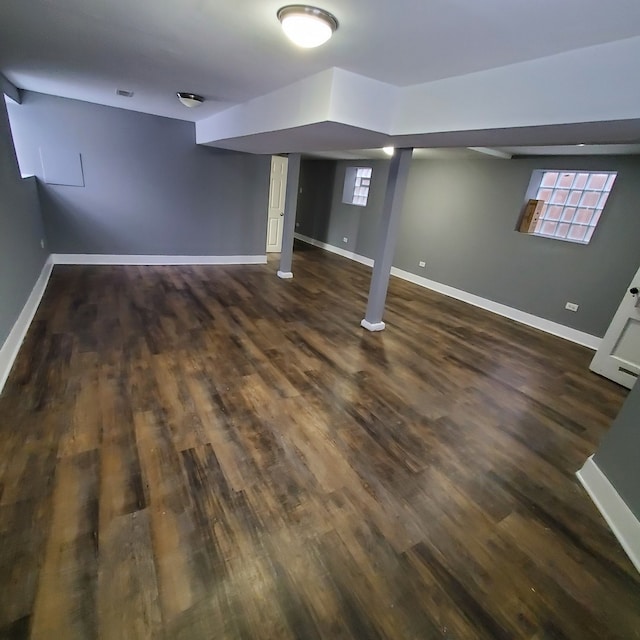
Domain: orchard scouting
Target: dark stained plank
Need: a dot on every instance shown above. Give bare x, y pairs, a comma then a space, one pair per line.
207, 452
127, 596
65, 604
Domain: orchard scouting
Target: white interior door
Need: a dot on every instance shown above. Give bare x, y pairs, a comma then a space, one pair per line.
618, 357
277, 191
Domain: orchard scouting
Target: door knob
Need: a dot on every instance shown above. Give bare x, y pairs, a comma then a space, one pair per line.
633, 291
282, 213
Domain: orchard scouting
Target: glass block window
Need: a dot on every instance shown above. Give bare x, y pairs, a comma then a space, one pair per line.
357, 181
573, 203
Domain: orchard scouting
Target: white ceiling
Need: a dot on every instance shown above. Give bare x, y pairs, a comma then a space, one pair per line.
231, 52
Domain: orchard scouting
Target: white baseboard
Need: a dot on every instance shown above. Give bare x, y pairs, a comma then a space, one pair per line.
625, 526
337, 250
548, 326
11, 346
104, 259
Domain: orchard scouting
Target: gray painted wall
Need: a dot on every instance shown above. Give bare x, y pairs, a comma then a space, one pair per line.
314, 197
149, 189
460, 217
21, 257
619, 453
339, 220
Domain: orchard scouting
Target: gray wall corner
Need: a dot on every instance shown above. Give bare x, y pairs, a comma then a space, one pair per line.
619, 454
21, 232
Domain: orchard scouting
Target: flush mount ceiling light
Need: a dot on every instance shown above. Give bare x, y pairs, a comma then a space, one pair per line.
190, 99
306, 26
388, 150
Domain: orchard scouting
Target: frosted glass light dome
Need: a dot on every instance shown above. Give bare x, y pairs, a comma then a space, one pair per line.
306, 26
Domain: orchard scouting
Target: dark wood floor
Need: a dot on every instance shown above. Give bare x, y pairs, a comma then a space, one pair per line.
212, 452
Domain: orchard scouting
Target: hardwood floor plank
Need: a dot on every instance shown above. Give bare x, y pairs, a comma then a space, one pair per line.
65, 604
127, 597
168, 510
199, 452
23, 532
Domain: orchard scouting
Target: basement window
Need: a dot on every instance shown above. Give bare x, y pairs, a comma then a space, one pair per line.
357, 181
573, 202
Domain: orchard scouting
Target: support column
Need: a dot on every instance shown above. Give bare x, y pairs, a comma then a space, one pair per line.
290, 208
386, 242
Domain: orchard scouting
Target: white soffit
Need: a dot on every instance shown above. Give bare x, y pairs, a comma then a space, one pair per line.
471, 153
576, 150
497, 100
418, 154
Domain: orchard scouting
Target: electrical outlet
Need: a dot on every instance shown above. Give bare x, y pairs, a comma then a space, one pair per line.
422, 264
345, 239
571, 306
42, 243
